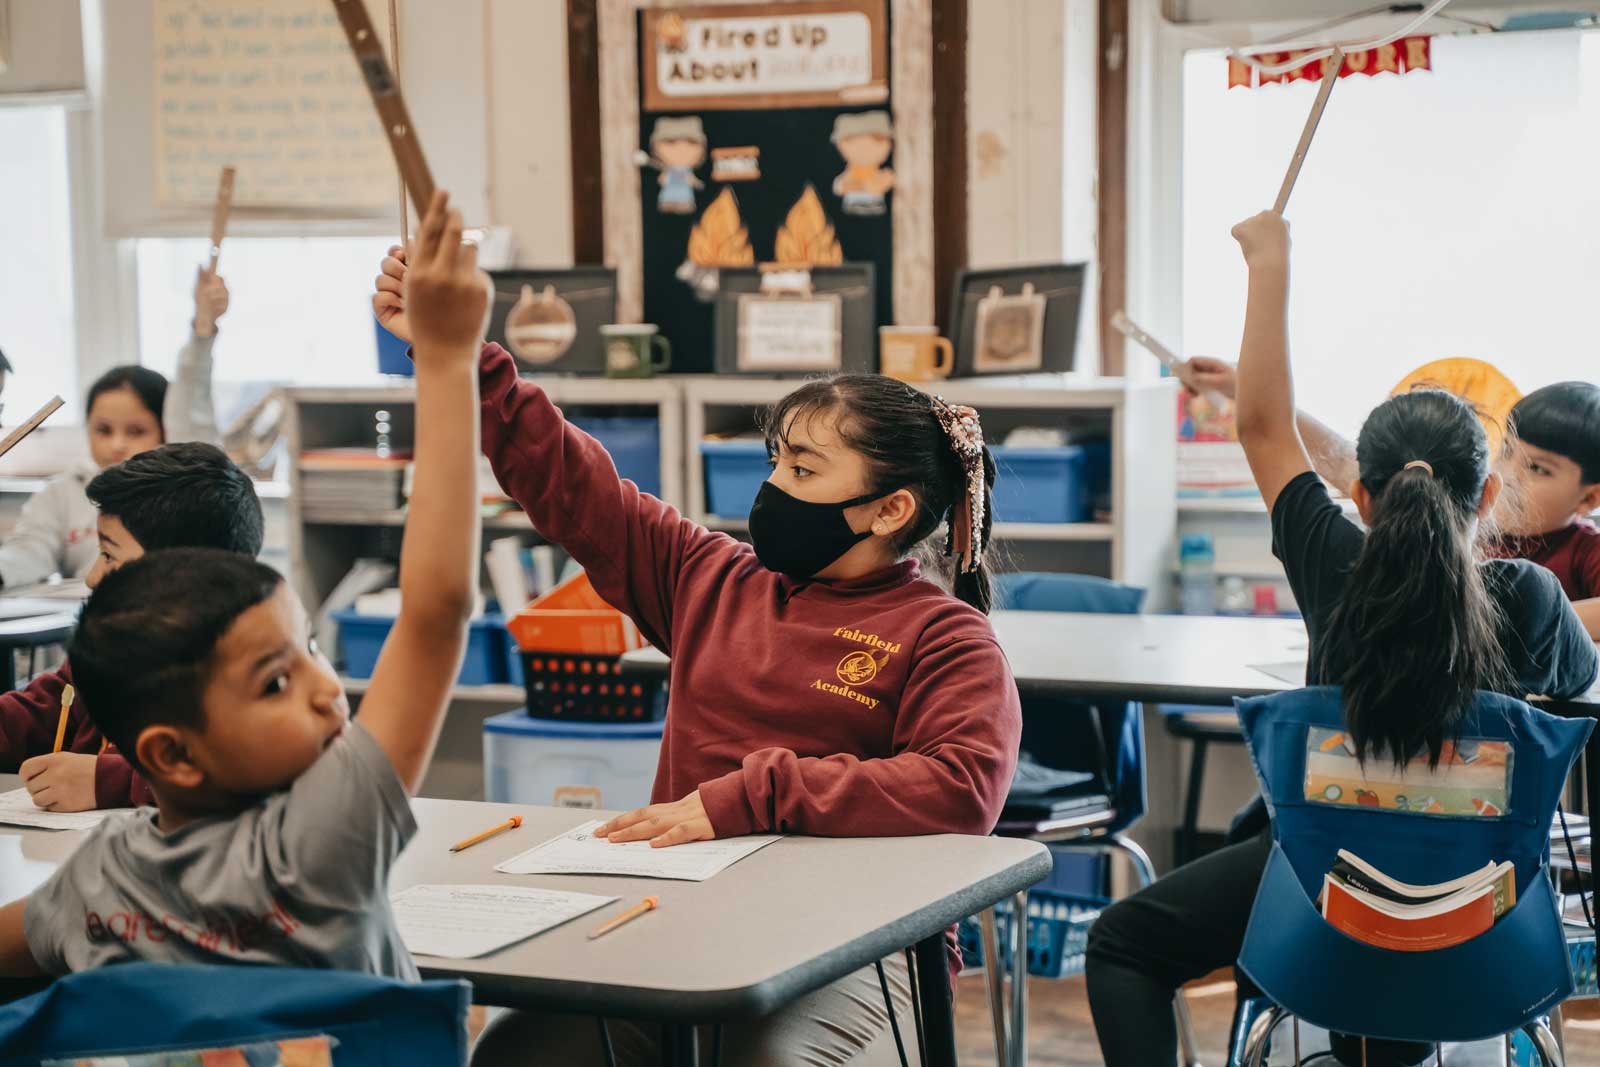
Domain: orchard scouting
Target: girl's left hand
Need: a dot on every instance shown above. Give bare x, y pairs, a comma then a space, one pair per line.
662, 824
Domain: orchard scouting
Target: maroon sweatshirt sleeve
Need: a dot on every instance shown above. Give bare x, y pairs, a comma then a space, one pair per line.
29, 717
632, 545
117, 785
956, 738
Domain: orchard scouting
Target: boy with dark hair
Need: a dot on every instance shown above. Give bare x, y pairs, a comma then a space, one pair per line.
277, 820
1556, 446
175, 496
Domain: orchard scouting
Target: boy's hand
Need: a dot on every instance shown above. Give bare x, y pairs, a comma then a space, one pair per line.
389, 302
61, 781
210, 302
662, 824
1202, 374
446, 297
1264, 240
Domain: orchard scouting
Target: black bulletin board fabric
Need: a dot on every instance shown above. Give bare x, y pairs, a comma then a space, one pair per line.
796, 150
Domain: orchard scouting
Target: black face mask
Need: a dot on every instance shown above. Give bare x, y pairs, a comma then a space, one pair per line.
797, 537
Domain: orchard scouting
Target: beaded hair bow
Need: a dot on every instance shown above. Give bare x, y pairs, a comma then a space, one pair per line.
965, 539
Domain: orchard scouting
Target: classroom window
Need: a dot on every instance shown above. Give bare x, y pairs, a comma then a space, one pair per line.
1440, 213
37, 332
300, 308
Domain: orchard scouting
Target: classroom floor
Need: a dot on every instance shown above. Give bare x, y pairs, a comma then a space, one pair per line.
1061, 1034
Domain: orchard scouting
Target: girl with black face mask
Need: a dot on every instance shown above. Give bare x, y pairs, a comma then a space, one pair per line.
821, 684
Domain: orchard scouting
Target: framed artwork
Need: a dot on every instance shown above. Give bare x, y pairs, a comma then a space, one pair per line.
1016, 320
782, 323
549, 320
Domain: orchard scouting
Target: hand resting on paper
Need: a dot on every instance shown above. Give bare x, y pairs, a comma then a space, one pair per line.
60, 781
662, 824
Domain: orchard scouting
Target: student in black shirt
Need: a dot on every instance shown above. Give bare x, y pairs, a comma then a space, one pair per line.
1406, 618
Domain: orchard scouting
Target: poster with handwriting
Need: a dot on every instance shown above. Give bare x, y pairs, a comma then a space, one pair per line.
268, 86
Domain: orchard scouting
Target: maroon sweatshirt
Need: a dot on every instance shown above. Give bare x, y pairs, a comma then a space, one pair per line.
29, 718
881, 706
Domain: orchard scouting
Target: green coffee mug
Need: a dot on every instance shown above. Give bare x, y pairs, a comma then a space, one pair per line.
629, 350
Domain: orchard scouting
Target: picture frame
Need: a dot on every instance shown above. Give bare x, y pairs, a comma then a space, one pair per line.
767, 332
1017, 320
549, 319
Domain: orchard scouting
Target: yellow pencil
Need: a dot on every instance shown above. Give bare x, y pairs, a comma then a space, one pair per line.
510, 824
647, 904
68, 694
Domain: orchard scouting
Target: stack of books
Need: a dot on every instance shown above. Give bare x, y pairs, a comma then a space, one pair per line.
1368, 905
358, 479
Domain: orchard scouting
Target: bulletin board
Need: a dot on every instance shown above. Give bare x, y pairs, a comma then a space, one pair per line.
778, 89
745, 115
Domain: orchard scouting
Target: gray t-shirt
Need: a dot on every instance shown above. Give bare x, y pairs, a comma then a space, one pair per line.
299, 880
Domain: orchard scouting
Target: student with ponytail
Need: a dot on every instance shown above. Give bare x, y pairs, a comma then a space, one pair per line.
821, 684
1408, 618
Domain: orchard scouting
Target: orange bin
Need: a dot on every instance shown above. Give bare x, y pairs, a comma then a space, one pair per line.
573, 618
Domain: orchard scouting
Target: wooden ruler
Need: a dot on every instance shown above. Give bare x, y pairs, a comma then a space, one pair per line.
219, 215
394, 61
1330, 74
14, 438
385, 90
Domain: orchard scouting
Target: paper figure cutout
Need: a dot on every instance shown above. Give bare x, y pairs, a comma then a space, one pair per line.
1009, 335
1478, 383
742, 164
673, 32
678, 148
719, 239
540, 328
865, 141
806, 238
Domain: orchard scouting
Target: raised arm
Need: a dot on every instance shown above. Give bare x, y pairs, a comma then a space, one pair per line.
1266, 411
190, 413
1332, 454
448, 298
632, 545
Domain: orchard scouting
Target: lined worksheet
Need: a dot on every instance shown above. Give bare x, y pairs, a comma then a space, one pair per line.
578, 851
463, 922
17, 809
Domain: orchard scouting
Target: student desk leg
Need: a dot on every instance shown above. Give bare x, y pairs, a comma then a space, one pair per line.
680, 1046
933, 992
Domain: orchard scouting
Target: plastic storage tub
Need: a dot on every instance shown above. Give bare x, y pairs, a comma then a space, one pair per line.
1043, 485
572, 765
361, 638
734, 473
1057, 937
634, 442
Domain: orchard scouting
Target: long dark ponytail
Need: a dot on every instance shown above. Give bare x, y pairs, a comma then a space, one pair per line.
1416, 630
895, 428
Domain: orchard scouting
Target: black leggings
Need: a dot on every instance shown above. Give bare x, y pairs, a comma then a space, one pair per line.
1186, 925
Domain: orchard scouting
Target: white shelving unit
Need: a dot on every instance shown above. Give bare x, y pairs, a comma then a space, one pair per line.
1134, 546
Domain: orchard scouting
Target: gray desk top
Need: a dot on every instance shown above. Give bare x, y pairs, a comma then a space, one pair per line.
794, 916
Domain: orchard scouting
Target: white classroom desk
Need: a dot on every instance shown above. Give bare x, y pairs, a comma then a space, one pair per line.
791, 918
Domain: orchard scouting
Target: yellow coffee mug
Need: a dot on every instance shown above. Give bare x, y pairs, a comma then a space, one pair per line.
914, 353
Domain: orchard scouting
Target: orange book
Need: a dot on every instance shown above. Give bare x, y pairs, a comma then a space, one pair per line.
573, 618
1408, 928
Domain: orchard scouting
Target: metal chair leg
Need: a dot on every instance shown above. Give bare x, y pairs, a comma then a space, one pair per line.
1019, 980
1260, 1036
1188, 1048
1143, 869
994, 978
1558, 1028
1545, 1043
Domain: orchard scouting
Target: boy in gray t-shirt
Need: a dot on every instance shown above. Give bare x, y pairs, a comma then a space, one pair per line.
276, 820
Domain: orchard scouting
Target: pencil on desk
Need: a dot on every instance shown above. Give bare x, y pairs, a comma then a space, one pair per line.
647, 904
510, 824
67, 695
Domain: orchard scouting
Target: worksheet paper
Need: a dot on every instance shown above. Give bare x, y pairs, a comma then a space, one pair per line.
578, 851
462, 922
1293, 673
17, 809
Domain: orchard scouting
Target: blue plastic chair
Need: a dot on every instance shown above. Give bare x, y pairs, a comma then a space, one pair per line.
1506, 979
153, 1007
1110, 740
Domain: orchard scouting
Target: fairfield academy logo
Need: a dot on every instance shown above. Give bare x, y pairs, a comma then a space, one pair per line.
870, 640
859, 668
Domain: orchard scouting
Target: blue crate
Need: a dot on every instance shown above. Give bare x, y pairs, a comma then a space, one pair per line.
1098, 469
392, 358
634, 442
734, 473
1058, 933
1045, 485
361, 638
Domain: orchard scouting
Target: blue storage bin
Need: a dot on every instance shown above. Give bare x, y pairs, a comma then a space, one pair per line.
734, 473
392, 358
361, 638
634, 442
1097, 455
1041, 484
1057, 936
